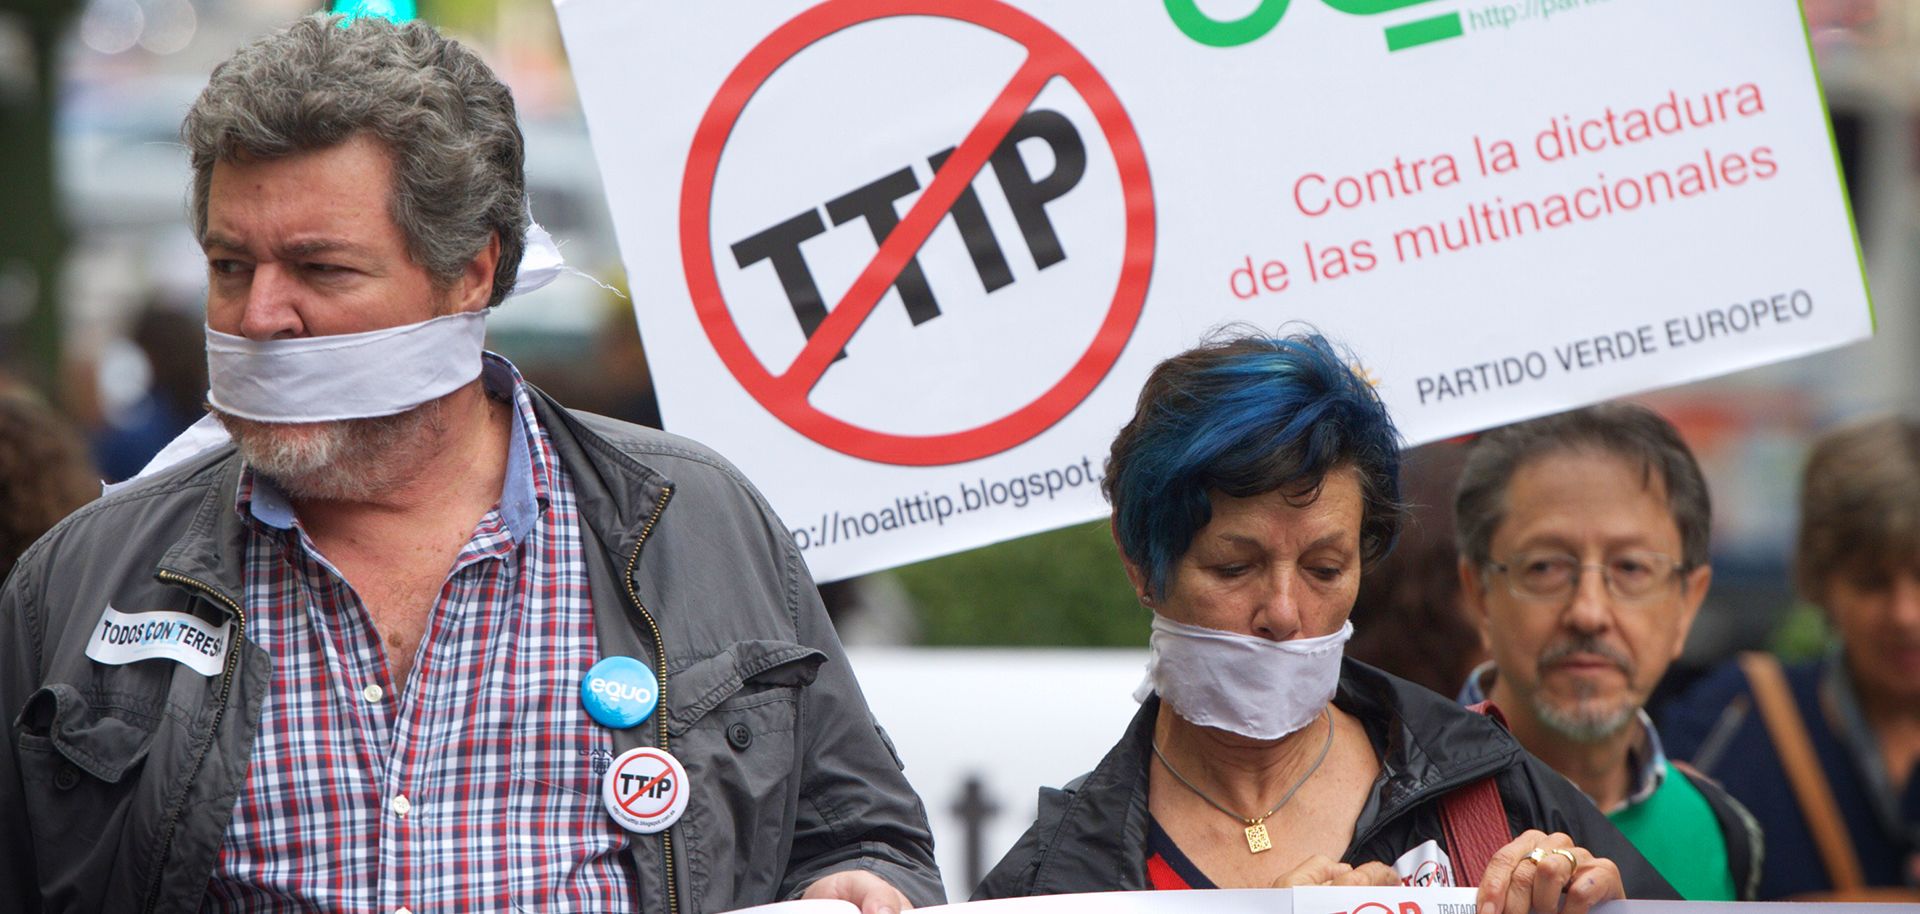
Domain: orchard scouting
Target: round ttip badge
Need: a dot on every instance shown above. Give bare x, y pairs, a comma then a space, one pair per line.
645, 790
619, 692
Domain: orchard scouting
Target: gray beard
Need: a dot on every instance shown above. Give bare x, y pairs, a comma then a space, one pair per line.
344, 460
1585, 722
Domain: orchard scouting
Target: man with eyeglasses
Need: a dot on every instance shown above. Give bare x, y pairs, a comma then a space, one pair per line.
1583, 544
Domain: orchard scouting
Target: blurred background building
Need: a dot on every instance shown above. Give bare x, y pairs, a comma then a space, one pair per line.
101, 287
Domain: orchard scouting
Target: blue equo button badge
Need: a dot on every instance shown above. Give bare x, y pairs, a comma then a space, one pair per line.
620, 692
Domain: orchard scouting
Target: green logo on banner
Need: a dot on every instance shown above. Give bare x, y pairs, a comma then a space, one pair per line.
1228, 33
1210, 31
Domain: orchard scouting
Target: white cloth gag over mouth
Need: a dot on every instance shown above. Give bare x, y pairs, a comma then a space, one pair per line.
347, 375
362, 375
378, 373
1257, 688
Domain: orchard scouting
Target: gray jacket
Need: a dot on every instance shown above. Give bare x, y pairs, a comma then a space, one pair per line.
118, 782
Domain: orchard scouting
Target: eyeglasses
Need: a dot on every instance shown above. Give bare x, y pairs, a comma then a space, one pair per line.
1630, 576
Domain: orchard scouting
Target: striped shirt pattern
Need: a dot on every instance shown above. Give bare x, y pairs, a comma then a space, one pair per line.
476, 787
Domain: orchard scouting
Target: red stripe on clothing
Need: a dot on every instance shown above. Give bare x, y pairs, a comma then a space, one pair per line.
1161, 877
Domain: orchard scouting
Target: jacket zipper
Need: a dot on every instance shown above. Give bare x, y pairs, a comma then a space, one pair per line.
660, 656
219, 712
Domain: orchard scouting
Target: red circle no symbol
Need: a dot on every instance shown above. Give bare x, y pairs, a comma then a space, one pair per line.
786, 394
666, 770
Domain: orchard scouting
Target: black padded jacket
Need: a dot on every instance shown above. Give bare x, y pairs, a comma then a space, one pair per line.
1092, 835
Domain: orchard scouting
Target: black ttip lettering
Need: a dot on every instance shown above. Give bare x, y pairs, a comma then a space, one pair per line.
632, 784
878, 204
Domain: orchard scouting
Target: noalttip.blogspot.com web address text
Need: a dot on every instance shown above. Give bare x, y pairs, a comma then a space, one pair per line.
845, 525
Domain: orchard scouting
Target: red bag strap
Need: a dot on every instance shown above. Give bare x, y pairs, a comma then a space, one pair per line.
1489, 709
1474, 819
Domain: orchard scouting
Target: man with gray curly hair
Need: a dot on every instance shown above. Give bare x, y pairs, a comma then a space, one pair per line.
421, 638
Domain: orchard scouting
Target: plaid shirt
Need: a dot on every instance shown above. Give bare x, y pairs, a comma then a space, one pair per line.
474, 788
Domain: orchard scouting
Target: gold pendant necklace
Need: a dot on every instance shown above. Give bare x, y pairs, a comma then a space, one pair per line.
1257, 838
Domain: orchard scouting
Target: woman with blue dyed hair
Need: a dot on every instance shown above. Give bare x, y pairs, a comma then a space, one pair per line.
1257, 477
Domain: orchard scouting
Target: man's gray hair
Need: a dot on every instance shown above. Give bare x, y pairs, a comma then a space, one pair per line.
459, 164
1629, 431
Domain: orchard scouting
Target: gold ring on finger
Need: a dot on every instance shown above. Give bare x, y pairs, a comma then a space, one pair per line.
1571, 859
1537, 854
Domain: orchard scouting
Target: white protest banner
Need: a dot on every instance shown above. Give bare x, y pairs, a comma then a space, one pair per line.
1349, 900
1314, 900
907, 262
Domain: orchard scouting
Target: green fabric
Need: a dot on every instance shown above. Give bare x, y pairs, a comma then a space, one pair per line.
1676, 831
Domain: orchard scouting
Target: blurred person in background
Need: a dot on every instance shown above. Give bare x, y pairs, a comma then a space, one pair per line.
1257, 477
174, 346
1827, 753
622, 383
1583, 559
1409, 619
382, 650
613, 378
44, 473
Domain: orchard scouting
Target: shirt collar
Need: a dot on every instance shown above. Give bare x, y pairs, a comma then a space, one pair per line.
523, 494
526, 489
1478, 682
263, 500
1646, 757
